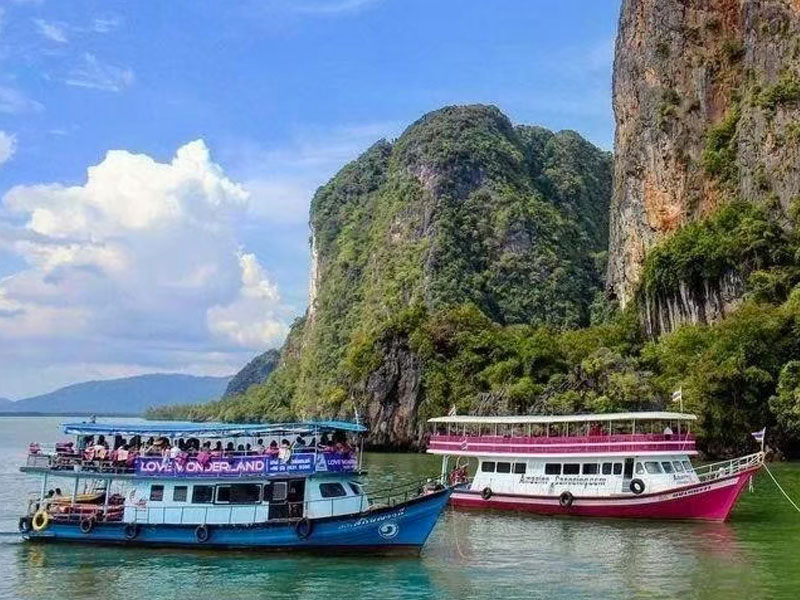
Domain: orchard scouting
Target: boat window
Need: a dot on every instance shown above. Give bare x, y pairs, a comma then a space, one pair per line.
503, 467
487, 467
572, 469
520, 468
244, 493
277, 491
687, 465
639, 469
678, 466
606, 468
667, 466
202, 494
653, 468
590, 468
156, 493
223, 494
552, 469
355, 488
179, 493
617, 468
331, 490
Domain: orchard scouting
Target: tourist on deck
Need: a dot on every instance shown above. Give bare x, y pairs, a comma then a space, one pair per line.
229, 449
273, 449
260, 448
217, 451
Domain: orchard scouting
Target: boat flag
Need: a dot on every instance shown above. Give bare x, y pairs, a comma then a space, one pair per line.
452, 412
677, 396
759, 436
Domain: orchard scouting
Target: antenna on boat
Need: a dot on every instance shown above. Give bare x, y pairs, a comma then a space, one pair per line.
358, 418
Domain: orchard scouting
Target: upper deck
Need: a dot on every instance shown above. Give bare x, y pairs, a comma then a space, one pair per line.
200, 450
569, 435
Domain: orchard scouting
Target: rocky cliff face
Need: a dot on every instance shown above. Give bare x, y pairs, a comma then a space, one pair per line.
464, 208
706, 102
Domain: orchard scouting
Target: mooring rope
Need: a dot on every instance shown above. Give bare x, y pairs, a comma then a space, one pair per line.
453, 515
766, 468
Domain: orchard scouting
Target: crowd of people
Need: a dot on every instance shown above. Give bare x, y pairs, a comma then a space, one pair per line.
121, 452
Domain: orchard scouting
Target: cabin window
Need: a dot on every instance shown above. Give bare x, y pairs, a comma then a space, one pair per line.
687, 465
487, 467
572, 469
617, 468
238, 493
179, 493
277, 491
652, 467
678, 466
156, 493
607, 468
332, 490
202, 494
639, 469
520, 468
503, 467
552, 469
356, 489
667, 466
590, 468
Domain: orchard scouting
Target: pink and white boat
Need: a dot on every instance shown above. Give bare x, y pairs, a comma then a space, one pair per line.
633, 465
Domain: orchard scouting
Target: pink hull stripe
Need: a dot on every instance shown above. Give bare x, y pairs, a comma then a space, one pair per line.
710, 501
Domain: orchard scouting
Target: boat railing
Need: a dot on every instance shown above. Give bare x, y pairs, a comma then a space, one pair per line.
57, 459
727, 468
543, 444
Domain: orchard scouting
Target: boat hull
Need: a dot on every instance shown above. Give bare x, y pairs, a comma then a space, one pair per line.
707, 501
402, 528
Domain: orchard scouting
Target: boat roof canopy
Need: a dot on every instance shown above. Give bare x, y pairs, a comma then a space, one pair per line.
545, 419
209, 430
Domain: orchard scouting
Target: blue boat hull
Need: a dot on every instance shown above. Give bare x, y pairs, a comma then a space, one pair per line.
404, 526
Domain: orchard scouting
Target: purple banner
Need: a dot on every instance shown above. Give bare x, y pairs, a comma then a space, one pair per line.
301, 463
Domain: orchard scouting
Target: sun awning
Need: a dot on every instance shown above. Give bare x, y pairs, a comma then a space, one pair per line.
209, 430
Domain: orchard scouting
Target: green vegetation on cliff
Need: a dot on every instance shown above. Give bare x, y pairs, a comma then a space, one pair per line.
460, 266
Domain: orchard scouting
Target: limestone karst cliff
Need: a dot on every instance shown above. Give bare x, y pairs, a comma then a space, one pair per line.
706, 98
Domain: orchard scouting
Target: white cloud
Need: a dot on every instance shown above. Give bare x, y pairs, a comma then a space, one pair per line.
138, 266
8, 146
13, 101
330, 7
52, 31
94, 74
105, 24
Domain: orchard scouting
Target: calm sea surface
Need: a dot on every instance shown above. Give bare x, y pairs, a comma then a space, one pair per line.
469, 555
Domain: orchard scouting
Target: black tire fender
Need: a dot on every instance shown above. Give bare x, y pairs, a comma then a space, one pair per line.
130, 531
566, 499
87, 524
303, 528
202, 533
487, 493
637, 486
24, 524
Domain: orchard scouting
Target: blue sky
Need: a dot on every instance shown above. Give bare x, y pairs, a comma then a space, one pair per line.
188, 249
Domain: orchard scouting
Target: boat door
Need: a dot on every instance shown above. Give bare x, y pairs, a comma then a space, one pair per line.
627, 475
285, 497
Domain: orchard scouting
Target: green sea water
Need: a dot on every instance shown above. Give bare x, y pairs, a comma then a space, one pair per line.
469, 555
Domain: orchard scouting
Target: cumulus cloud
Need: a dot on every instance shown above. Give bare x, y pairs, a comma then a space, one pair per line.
8, 146
138, 266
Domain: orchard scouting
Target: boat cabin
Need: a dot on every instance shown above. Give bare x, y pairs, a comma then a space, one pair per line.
602, 454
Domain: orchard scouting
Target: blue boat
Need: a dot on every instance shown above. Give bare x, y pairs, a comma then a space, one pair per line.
288, 486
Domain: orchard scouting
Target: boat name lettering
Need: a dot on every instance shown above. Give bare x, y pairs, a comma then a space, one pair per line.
299, 463
371, 520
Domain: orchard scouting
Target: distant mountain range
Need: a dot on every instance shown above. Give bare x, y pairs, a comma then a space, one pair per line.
126, 396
